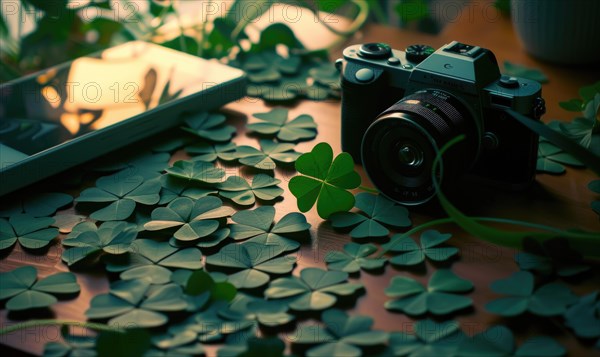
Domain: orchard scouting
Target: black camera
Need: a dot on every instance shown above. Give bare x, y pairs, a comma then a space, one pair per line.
400, 107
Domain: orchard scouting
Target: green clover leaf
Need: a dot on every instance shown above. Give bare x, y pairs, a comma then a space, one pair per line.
198, 171
122, 193
258, 225
275, 123
551, 159
134, 303
41, 205
376, 211
430, 338
439, 297
254, 263
147, 165
324, 181
88, 240
181, 344
500, 341
173, 187
349, 334
549, 300
254, 346
270, 313
354, 257
25, 292
315, 289
269, 154
518, 70
209, 126
263, 187
594, 186
193, 220
73, 346
153, 260
208, 152
65, 222
554, 255
582, 317
413, 254
31, 232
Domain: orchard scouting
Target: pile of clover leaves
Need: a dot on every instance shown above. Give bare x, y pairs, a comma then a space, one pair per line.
194, 260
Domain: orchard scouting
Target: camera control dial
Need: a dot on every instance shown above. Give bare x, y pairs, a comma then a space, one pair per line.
417, 53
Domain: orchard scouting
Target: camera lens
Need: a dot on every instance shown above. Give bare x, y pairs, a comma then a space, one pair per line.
375, 50
399, 148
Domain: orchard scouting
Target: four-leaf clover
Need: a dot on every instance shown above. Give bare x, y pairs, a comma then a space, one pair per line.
549, 300
122, 192
439, 297
354, 257
412, 253
324, 181
25, 292
193, 220
275, 123
31, 232
315, 289
376, 211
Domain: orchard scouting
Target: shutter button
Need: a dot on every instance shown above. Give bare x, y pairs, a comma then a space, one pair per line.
364, 75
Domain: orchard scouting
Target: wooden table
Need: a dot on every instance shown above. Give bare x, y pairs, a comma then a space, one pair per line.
561, 201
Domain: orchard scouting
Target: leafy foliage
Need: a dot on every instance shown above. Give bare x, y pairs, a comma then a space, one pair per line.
65, 222
259, 226
263, 187
25, 292
209, 152
182, 344
554, 255
594, 186
197, 171
193, 220
324, 181
134, 342
147, 165
430, 338
353, 258
376, 211
270, 313
30, 232
275, 123
173, 187
549, 300
88, 240
551, 159
73, 346
254, 346
583, 317
517, 70
269, 153
439, 297
149, 259
133, 303
254, 261
122, 193
200, 282
40, 205
412, 254
314, 290
209, 126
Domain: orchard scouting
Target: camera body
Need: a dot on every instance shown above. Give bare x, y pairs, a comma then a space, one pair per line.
408, 104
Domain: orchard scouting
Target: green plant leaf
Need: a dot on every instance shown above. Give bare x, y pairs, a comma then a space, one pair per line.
122, 193
412, 10
258, 225
144, 164
551, 158
209, 152
549, 300
269, 154
193, 220
277, 34
430, 338
152, 260
30, 232
198, 171
275, 123
324, 181
270, 313
209, 126
263, 187
73, 346
266, 346
377, 211
173, 187
354, 257
517, 70
594, 186
439, 297
573, 105
200, 282
110, 238
23, 291
133, 303
65, 222
582, 317
253, 262
134, 342
41, 205
412, 254
553, 255
314, 290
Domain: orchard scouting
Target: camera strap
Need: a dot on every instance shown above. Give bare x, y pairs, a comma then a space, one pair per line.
579, 152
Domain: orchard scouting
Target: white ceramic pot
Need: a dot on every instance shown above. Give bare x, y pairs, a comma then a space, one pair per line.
560, 31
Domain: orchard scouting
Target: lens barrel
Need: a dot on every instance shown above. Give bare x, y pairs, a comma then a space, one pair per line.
399, 147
